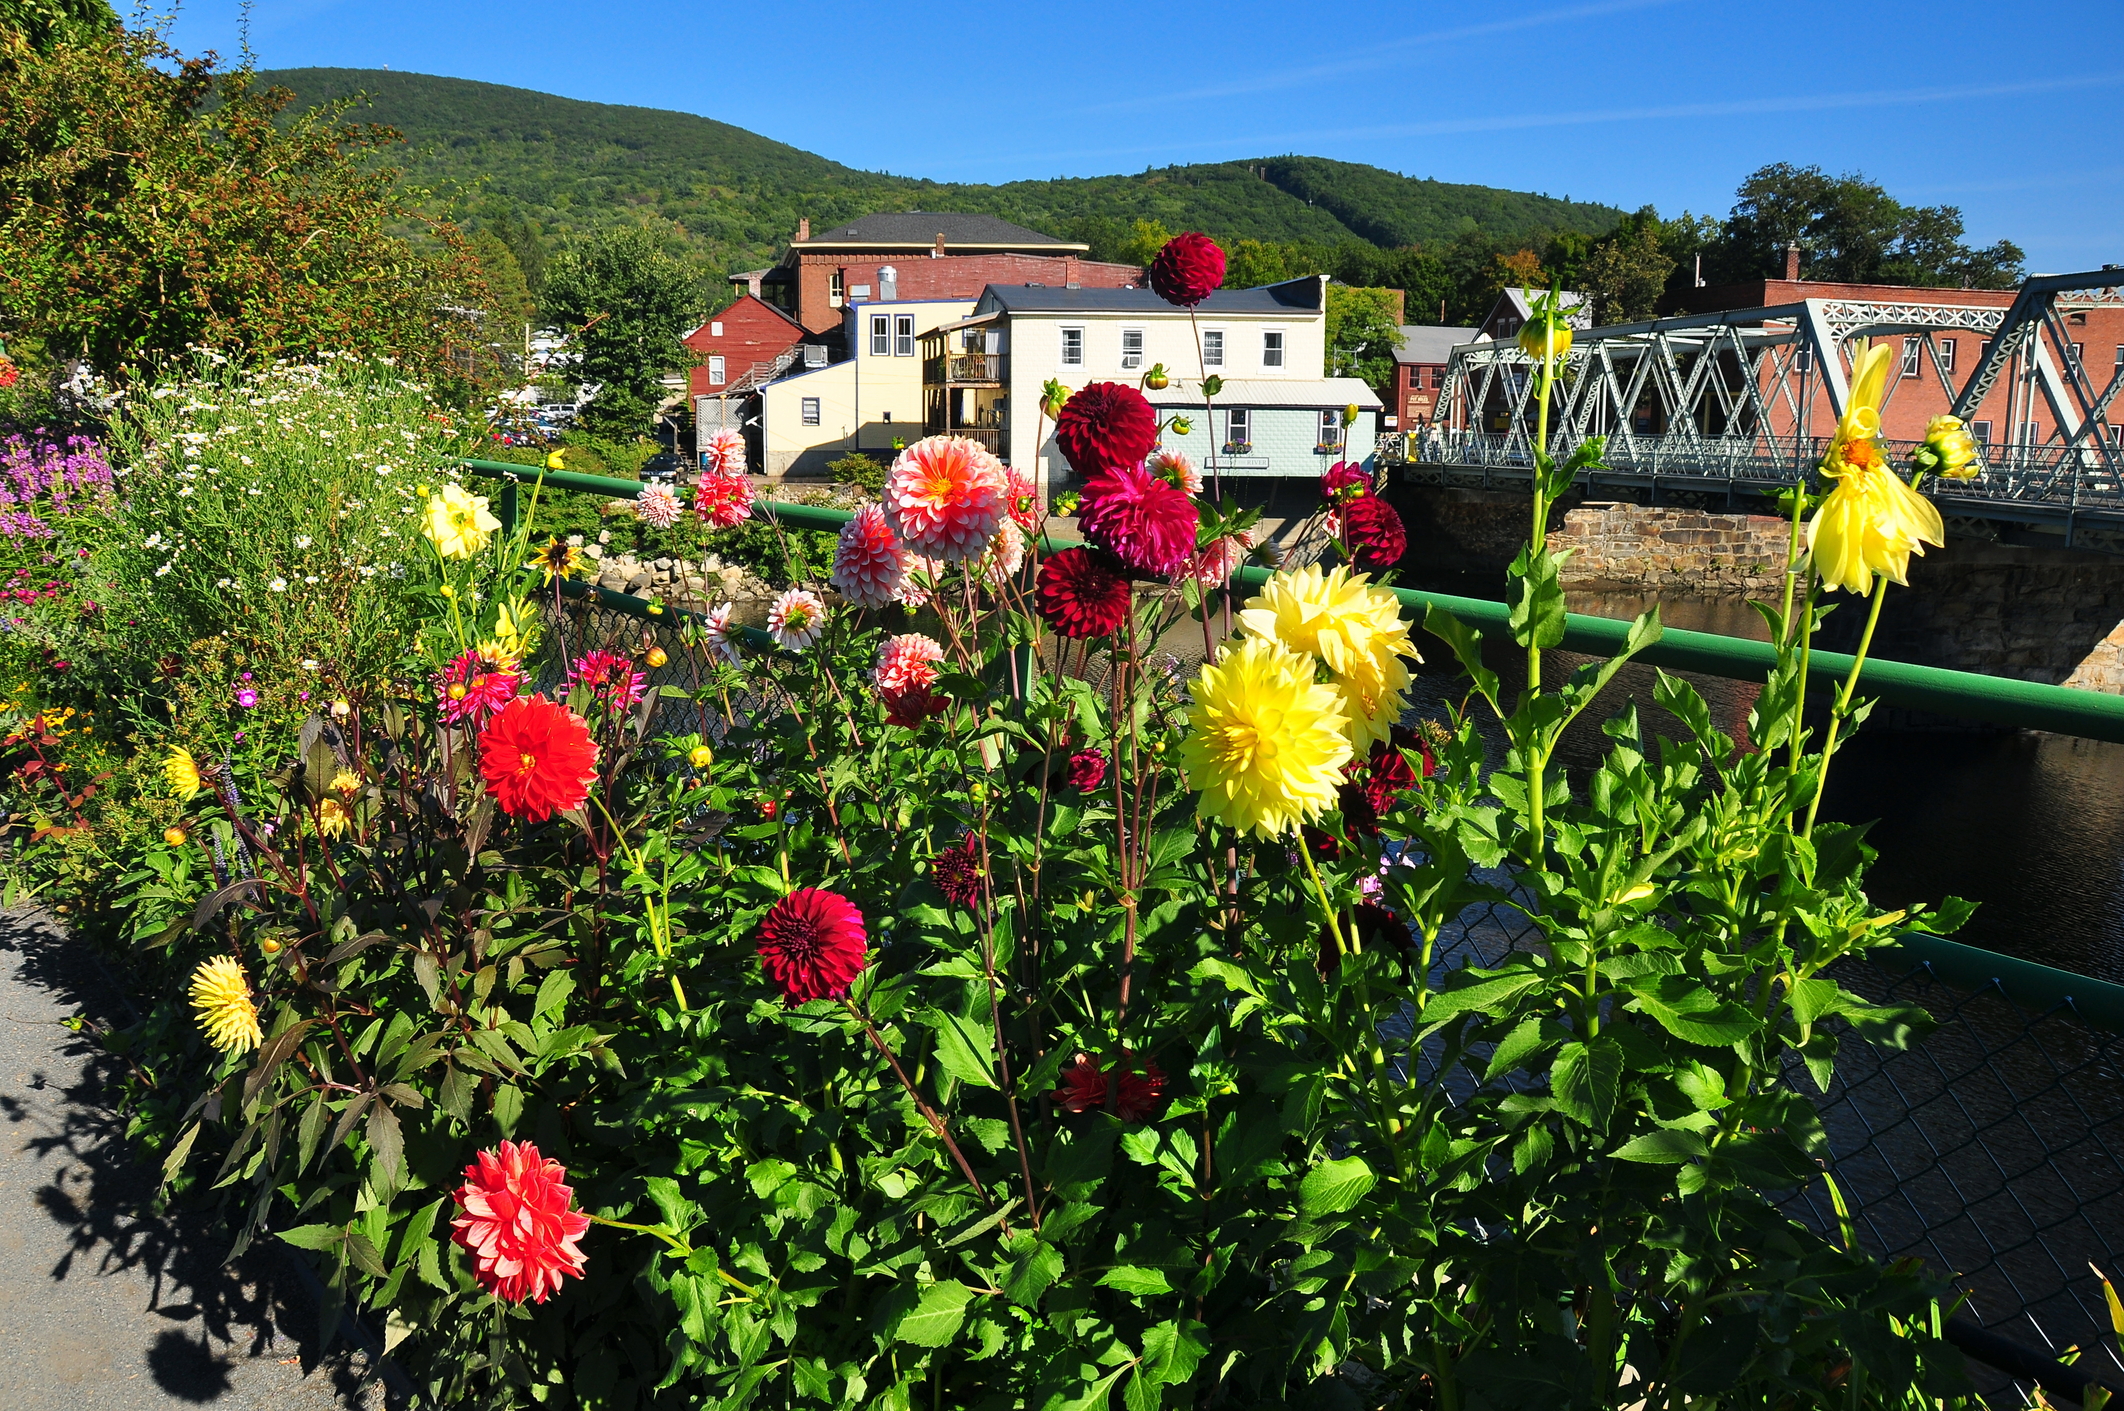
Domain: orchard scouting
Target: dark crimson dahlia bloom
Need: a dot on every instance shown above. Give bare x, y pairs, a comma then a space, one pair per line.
957, 871
1105, 424
812, 944
1145, 522
1188, 270
1373, 532
1080, 595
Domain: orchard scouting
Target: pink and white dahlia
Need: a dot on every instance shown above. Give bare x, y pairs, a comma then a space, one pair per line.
918, 584
908, 662
658, 506
722, 499
723, 453
1024, 499
715, 631
868, 563
1006, 555
610, 678
797, 619
1174, 468
1214, 566
944, 497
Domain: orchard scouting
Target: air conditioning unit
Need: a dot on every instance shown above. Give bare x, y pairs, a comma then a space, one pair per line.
814, 355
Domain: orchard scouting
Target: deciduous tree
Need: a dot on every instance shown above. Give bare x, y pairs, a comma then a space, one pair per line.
625, 303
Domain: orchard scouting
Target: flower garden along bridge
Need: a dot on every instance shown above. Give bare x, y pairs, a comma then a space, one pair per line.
1741, 403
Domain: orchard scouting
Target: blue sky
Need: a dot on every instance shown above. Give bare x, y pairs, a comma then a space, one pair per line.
1994, 108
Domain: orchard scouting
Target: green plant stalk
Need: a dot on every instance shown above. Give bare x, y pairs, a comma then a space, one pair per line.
1843, 701
1537, 759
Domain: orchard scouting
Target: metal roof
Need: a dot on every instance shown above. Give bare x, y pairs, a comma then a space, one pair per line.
921, 228
1296, 296
1273, 392
1432, 343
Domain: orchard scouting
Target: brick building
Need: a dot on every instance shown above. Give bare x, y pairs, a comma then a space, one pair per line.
739, 346
920, 255
1419, 371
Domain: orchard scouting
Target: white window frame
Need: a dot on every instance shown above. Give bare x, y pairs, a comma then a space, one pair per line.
1946, 350
1981, 430
2079, 355
1275, 346
2120, 355
1073, 345
1239, 429
1213, 347
718, 370
715, 329
808, 410
2030, 432
1131, 358
1911, 345
881, 335
903, 336
836, 290
1331, 428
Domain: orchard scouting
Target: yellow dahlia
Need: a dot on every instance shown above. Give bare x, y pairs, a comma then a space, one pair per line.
183, 773
346, 781
221, 996
1336, 616
1872, 521
1266, 743
1374, 697
1954, 450
332, 818
457, 522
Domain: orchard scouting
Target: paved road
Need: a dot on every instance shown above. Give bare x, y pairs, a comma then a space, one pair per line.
103, 1305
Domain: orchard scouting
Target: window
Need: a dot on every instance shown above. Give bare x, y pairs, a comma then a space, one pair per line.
1982, 431
1131, 347
1803, 360
814, 355
1946, 347
880, 336
1910, 356
1072, 347
860, 292
2079, 355
715, 330
1213, 347
903, 336
2120, 355
811, 411
1272, 349
2031, 433
1330, 427
1239, 430
715, 372
835, 289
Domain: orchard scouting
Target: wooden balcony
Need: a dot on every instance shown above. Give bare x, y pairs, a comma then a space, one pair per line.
990, 437
964, 370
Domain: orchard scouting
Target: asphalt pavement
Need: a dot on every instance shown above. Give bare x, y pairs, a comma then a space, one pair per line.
105, 1305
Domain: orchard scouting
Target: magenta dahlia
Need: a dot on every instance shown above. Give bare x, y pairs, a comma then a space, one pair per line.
1087, 770
812, 944
610, 679
1373, 532
471, 688
1344, 481
1106, 424
1080, 595
723, 499
1188, 270
1146, 523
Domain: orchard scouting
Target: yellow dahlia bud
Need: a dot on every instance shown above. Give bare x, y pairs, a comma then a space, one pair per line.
174, 837
657, 656
1545, 337
701, 757
1349, 413
270, 946
1954, 450
1053, 395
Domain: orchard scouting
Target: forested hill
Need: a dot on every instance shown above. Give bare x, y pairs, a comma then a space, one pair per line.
565, 165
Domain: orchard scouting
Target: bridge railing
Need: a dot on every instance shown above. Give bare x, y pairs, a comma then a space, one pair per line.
1994, 1149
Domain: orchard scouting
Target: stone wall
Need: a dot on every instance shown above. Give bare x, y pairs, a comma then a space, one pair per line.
1651, 547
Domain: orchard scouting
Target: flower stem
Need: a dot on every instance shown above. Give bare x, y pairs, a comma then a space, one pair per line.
1327, 908
1537, 760
1843, 701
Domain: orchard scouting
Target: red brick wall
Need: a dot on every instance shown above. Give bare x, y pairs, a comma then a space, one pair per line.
753, 332
1416, 393
923, 275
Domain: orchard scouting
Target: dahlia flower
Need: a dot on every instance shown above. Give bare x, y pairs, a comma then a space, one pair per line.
1373, 532
221, 997
1266, 743
910, 708
1079, 595
610, 678
868, 563
471, 688
723, 499
1084, 1090
797, 619
1344, 481
812, 945
944, 497
957, 871
538, 758
658, 506
332, 818
457, 522
1872, 521
1142, 521
907, 662
1175, 469
1375, 694
723, 453
1006, 555
1188, 270
519, 1223
918, 583
1214, 566
1024, 499
715, 631
1104, 425
1336, 616
1087, 770
1950, 448
557, 558
182, 772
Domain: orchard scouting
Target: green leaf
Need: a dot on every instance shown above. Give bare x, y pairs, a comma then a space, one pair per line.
1687, 1009
1811, 999
963, 1047
1335, 1186
508, 1107
935, 1320
1535, 595
553, 991
1585, 1081
387, 1142
1136, 1280
1172, 1350
316, 1237
1037, 1265
1466, 643
1489, 996
1078, 1167
1662, 1148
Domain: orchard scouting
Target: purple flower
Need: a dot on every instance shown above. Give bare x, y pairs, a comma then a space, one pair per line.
247, 698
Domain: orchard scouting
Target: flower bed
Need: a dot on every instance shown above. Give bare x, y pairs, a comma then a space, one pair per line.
987, 1015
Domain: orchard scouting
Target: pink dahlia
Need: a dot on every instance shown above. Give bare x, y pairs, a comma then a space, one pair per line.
812, 945
1079, 595
1344, 481
723, 499
919, 583
658, 506
1024, 499
519, 1223
944, 497
723, 453
1006, 555
1139, 519
1106, 424
1215, 565
868, 564
797, 619
469, 690
1373, 532
1174, 468
610, 679
908, 662
715, 631
1188, 270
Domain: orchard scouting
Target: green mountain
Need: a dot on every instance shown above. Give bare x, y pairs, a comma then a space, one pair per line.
733, 196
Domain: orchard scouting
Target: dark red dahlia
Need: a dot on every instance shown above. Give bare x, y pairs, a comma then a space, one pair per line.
957, 871
1188, 270
1141, 1094
1106, 424
1138, 1097
1344, 481
911, 707
1080, 595
1141, 520
1083, 1086
812, 944
1373, 532
1087, 770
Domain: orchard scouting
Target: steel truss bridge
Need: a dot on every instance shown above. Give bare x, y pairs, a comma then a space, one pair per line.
1741, 397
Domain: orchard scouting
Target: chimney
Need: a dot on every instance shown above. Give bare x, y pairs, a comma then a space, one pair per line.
1792, 262
1070, 272
752, 282
804, 228
938, 252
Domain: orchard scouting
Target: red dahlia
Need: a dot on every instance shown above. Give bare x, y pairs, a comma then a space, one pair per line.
537, 758
518, 1224
957, 871
1344, 481
1087, 770
1141, 520
1105, 424
1079, 595
812, 945
1188, 270
1373, 532
1084, 1090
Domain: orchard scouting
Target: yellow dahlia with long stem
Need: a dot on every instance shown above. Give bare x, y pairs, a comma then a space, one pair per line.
458, 522
182, 771
1266, 742
1872, 521
221, 997
1374, 697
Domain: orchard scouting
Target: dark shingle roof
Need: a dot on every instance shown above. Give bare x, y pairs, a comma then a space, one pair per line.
1292, 296
923, 227
1431, 343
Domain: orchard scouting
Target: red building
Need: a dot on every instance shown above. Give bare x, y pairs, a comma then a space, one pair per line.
1419, 371
739, 345
898, 255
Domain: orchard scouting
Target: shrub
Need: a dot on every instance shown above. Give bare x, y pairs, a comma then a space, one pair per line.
860, 471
